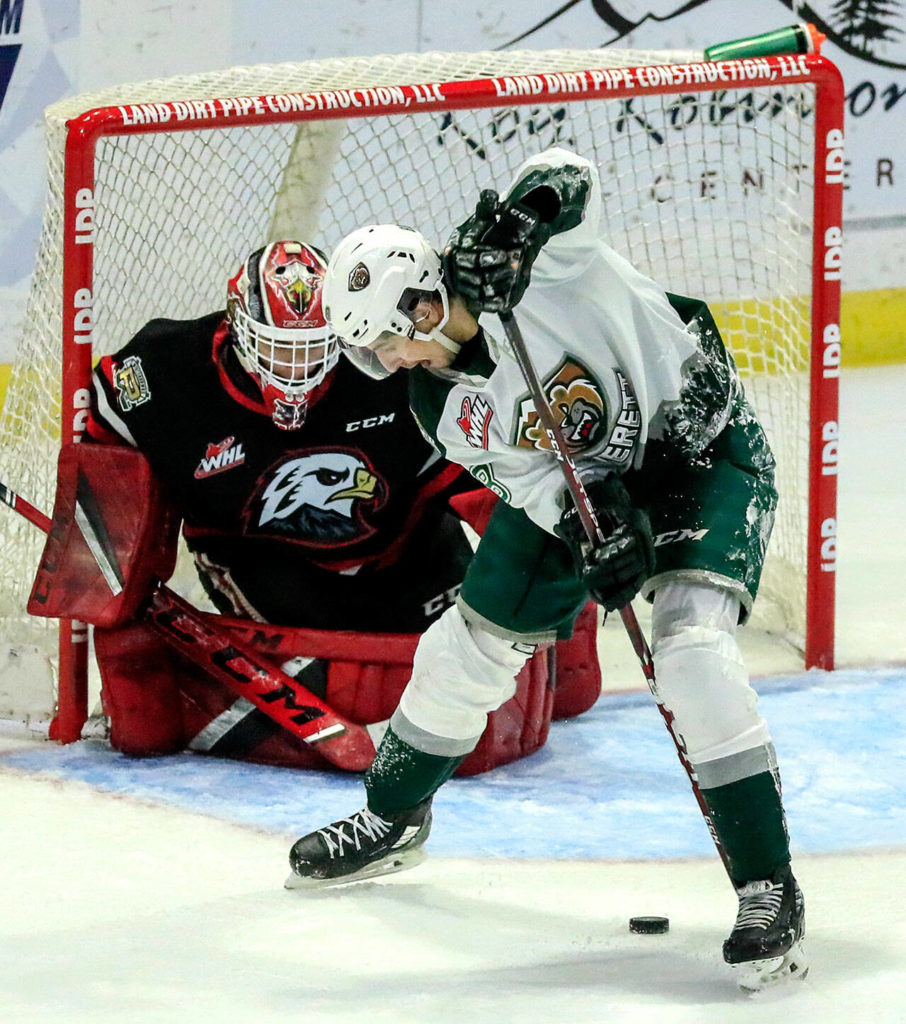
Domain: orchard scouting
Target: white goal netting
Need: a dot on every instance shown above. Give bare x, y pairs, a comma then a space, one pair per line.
710, 192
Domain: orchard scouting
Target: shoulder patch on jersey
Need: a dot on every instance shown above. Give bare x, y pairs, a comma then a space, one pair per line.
131, 383
578, 404
475, 420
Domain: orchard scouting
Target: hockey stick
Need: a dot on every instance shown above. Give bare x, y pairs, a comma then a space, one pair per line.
24, 508
592, 526
233, 663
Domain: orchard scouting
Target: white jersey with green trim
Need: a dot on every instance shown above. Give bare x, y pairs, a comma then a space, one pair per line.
613, 357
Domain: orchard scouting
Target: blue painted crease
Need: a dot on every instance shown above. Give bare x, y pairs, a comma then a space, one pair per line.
607, 785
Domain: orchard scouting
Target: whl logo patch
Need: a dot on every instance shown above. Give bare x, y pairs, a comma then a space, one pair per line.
474, 421
219, 458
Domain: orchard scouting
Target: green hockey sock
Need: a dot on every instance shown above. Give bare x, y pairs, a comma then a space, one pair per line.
400, 777
751, 826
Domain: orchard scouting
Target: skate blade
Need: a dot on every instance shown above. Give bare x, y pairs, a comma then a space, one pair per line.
758, 975
387, 866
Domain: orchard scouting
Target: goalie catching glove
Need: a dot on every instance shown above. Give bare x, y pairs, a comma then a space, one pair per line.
614, 569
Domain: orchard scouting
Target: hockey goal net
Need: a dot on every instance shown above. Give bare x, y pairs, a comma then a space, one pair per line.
722, 181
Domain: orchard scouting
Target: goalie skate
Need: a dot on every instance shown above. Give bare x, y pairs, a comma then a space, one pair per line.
364, 845
765, 946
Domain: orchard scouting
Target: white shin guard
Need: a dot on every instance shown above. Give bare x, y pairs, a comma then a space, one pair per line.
460, 673
702, 680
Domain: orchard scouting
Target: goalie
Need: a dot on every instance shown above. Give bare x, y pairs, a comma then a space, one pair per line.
679, 472
309, 500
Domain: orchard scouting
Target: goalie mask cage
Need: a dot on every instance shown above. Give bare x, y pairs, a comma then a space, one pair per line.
721, 180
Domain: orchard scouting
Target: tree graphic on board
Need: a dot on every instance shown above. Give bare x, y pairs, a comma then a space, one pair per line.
865, 23
857, 27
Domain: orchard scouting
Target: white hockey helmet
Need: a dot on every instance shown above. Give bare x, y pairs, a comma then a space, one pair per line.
278, 327
376, 277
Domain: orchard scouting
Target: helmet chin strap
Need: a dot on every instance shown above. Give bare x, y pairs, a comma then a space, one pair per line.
438, 335
436, 332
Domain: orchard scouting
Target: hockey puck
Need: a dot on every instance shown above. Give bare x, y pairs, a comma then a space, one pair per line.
649, 925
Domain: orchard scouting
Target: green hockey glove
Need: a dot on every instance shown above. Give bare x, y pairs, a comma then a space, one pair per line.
557, 194
488, 259
612, 570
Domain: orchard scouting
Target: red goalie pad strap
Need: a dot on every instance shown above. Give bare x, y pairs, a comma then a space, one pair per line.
282, 642
112, 535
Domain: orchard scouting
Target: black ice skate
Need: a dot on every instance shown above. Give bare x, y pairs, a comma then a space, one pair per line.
765, 946
364, 845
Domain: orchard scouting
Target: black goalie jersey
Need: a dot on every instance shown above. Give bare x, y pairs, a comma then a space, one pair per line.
342, 524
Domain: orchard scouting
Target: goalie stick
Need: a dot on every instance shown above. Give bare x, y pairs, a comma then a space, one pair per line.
592, 526
239, 667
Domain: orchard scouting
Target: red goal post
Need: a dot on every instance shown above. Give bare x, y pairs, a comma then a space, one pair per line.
723, 180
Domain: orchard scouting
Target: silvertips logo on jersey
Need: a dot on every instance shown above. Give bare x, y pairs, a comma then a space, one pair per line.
577, 402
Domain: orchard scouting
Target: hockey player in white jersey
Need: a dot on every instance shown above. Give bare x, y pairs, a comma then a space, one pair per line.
675, 463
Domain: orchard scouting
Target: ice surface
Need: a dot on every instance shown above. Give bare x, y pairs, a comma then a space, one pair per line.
151, 891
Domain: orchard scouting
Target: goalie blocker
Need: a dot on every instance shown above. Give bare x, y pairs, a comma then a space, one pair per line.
158, 702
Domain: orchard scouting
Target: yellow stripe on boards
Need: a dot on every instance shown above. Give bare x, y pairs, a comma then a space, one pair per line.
873, 327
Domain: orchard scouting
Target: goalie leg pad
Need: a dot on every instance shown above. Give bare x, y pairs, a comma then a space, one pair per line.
576, 666
702, 681
159, 703
459, 675
139, 691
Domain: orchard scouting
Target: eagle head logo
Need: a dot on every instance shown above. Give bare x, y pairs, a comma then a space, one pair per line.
318, 498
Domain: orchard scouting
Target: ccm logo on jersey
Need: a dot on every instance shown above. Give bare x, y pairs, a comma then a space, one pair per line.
220, 457
371, 421
675, 536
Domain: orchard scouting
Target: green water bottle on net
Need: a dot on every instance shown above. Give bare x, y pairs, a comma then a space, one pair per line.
801, 38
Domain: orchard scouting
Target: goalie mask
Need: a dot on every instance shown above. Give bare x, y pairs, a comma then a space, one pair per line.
278, 327
378, 278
